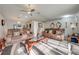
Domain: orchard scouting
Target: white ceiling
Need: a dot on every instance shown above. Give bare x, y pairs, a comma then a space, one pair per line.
47, 11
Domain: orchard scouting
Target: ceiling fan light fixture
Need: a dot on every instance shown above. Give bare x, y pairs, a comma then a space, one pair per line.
29, 12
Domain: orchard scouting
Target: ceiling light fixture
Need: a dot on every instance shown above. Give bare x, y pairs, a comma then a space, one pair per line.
30, 9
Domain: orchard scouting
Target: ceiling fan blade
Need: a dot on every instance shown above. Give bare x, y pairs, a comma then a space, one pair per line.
32, 10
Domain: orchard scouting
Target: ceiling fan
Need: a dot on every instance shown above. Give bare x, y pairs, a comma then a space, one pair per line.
30, 11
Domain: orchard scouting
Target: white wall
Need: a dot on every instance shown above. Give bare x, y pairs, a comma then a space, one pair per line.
1, 28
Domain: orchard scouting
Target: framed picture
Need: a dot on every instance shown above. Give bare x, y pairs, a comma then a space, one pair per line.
58, 24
